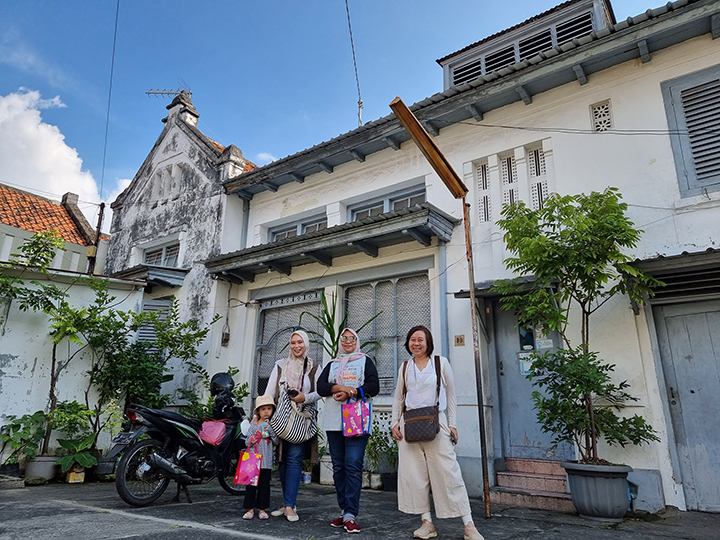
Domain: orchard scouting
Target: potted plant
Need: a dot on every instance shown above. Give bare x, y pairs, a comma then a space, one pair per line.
78, 459
73, 420
24, 435
307, 468
573, 249
375, 455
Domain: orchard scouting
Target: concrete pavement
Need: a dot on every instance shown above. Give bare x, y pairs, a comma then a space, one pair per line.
94, 511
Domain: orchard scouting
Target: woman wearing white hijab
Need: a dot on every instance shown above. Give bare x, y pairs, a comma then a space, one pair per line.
343, 378
300, 373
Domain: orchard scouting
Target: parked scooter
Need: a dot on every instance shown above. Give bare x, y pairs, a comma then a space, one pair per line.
166, 446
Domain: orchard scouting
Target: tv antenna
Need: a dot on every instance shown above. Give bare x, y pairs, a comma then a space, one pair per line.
167, 93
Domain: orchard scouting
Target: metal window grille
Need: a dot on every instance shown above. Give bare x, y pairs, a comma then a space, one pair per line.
163, 256
278, 319
401, 303
483, 192
701, 106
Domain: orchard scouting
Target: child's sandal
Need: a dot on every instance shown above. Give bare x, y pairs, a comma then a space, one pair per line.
263, 514
249, 514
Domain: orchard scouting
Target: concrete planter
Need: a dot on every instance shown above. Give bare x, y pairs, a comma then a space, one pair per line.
598, 492
326, 470
375, 481
40, 470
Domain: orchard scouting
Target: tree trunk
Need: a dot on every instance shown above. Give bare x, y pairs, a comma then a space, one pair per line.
52, 398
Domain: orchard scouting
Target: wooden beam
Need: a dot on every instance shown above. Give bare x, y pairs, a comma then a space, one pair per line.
244, 195
524, 94
475, 111
245, 276
268, 186
319, 257
429, 149
297, 177
278, 267
325, 167
357, 155
644, 51
418, 235
366, 247
229, 276
392, 143
580, 74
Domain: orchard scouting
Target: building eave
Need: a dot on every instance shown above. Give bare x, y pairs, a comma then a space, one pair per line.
153, 275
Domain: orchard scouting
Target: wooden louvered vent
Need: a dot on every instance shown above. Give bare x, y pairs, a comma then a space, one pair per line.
701, 106
535, 43
569, 30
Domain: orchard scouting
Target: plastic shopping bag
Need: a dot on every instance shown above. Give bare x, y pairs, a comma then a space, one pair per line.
248, 469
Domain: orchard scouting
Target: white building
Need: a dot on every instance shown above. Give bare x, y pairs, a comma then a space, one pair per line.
569, 101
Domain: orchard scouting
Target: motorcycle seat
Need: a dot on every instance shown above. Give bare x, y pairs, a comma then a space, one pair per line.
169, 415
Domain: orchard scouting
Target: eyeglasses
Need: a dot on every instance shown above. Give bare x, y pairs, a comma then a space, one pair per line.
348, 339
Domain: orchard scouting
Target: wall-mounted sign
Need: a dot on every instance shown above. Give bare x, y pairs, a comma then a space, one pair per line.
525, 363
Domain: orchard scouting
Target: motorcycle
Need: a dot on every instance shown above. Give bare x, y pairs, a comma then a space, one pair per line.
165, 446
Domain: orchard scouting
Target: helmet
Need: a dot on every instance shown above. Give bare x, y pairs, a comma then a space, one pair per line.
220, 382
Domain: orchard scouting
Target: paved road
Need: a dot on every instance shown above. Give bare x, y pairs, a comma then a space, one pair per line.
94, 511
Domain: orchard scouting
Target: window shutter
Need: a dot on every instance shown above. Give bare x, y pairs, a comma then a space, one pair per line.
701, 106
483, 193
508, 172
147, 331
538, 178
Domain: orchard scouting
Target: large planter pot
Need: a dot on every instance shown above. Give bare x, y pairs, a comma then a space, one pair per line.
12, 469
40, 470
389, 481
598, 492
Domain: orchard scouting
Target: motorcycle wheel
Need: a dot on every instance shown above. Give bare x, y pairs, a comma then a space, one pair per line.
227, 481
137, 482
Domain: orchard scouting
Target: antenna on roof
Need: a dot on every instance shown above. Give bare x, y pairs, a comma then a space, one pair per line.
167, 93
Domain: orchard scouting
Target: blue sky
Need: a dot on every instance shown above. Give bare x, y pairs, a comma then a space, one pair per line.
272, 77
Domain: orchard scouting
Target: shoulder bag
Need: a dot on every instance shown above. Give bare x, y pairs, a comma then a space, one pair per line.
292, 422
423, 423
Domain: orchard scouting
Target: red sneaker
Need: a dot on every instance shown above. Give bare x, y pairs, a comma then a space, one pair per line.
337, 522
351, 526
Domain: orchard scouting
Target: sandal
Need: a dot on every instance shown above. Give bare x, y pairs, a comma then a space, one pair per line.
250, 514
262, 514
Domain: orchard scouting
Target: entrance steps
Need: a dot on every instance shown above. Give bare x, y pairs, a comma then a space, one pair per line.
532, 483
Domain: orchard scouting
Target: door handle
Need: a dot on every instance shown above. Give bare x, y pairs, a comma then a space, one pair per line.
672, 393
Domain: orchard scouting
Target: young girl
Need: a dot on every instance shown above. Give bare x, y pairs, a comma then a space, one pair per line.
262, 434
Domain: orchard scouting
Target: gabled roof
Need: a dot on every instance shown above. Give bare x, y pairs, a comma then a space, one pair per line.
33, 213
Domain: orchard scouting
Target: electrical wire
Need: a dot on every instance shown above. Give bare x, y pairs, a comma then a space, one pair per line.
357, 79
107, 119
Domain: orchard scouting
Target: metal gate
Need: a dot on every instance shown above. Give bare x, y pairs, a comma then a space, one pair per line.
278, 319
402, 303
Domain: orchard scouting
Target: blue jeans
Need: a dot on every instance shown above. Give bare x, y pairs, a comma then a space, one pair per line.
348, 454
291, 471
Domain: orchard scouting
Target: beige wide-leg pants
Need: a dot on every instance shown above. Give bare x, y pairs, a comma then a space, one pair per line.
425, 466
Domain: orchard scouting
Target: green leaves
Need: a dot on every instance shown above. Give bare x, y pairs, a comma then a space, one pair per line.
24, 435
79, 453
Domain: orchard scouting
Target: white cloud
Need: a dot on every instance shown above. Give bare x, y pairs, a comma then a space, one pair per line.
34, 155
264, 157
16, 53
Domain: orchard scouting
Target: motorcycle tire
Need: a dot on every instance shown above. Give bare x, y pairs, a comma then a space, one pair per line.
137, 482
227, 481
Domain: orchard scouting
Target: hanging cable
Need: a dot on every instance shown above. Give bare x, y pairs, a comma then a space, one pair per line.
357, 79
107, 119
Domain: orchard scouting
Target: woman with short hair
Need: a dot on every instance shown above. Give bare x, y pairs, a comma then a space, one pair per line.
431, 465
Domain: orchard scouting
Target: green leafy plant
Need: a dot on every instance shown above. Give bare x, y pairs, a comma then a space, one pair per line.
573, 247
79, 453
24, 435
71, 418
381, 452
332, 326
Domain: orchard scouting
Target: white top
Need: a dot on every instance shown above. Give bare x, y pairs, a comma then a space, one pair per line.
354, 375
422, 387
310, 397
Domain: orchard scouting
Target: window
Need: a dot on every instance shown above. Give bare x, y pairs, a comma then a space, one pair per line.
148, 332
163, 256
537, 177
483, 191
389, 204
692, 105
401, 304
6, 248
298, 229
508, 172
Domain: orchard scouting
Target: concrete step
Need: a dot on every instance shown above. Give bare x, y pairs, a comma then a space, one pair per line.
538, 466
543, 500
11, 482
532, 481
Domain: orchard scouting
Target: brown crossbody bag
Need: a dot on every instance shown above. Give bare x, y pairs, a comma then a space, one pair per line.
423, 423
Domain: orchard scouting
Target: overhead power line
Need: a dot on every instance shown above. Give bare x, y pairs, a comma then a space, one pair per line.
357, 79
107, 118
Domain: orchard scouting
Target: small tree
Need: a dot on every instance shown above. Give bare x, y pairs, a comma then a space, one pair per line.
573, 247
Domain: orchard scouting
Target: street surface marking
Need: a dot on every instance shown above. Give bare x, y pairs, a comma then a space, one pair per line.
174, 523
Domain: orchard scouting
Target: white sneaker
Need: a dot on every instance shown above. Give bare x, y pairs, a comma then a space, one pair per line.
471, 533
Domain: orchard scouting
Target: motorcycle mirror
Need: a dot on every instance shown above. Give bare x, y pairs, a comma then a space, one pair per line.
244, 427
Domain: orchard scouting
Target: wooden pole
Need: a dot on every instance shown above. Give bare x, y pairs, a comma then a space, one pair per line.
459, 190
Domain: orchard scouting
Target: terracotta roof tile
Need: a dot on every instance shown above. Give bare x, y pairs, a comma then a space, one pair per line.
33, 213
249, 166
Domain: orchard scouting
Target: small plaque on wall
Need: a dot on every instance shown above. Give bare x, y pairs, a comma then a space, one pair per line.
460, 340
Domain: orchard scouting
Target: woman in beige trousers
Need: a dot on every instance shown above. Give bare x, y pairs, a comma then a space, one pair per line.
426, 466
